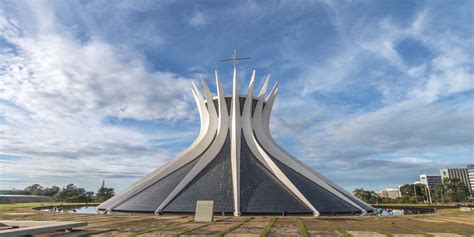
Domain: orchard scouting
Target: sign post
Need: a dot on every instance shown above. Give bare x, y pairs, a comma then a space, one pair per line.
204, 211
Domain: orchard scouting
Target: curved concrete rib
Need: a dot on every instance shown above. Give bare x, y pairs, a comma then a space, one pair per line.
262, 131
211, 152
260, 153
203, 113
247, 121
211, 108
215, 127
257, 114
204, 139
235, 137
263, 91
221, 99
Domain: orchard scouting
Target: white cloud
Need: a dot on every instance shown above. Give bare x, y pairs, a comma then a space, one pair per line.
330, 75
198, 19
68, 68
55, 77
413, 160
56, 93
421, 109
368, 45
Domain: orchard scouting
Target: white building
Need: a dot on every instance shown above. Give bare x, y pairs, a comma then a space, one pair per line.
470, 174
390, 193
458, 173
430, 180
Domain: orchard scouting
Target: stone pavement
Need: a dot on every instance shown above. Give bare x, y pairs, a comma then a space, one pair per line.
439, 224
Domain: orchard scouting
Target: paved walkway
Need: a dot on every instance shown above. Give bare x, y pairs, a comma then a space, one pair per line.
440, 224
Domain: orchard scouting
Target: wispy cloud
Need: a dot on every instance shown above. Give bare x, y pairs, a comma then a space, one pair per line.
382, 105
413, 160
198, 19
365, 87
55, 93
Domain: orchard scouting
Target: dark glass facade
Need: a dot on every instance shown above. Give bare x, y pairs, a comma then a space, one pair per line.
261, 192
150, 198
213, 183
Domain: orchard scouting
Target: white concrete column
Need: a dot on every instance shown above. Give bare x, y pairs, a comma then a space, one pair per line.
235, 138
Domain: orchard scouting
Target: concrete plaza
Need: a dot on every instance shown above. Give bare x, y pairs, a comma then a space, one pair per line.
447, 222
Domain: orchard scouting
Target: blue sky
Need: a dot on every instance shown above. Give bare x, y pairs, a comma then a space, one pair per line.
372, 93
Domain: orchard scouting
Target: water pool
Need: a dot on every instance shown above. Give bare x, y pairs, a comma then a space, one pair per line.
70, 209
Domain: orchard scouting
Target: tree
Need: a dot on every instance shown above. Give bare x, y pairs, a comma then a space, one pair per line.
71, 193
35, 189
367, 195
104, 193
413, 193
50, 192
451, 190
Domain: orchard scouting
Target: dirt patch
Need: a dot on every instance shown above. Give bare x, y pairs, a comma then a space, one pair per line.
458, 220
444, 235
217, 227
324, 234
284, 226
425, 227
408, 235
432, 220
251, 228
315, 224
365, 234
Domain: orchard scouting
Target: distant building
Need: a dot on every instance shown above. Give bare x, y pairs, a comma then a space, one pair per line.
470, 174
430, 180
389, 193
458, 173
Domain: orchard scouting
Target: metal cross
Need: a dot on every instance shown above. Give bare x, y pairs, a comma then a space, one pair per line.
235, 58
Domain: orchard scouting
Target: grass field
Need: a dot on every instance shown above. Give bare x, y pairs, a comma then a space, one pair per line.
447, 222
